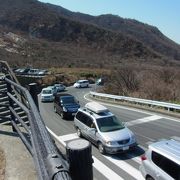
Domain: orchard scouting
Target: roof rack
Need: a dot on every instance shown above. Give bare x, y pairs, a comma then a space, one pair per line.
96, 107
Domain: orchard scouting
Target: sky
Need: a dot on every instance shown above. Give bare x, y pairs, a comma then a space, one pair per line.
164, 14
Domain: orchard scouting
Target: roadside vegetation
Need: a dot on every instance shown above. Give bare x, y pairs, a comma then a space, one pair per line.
141, 81
155, 83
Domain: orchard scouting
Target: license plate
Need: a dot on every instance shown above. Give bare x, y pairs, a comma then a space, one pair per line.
125, 148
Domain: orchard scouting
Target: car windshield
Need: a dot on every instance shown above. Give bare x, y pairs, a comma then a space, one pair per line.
67, 100
111, 123
47, 91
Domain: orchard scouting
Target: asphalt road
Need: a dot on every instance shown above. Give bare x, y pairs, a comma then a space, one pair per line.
147, 126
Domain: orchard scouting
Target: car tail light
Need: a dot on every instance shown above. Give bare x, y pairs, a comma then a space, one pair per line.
143, 157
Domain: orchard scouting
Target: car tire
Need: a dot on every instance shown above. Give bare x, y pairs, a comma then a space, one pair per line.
55, 110
79, 132
62, 115
149, 178
101, 148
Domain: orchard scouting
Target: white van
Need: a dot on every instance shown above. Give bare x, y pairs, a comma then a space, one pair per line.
47, 95
161, 161
81, 83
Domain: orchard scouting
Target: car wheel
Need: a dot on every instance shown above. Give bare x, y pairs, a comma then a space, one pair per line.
62, 115
79, 132
55, 110
149, 178
101, 148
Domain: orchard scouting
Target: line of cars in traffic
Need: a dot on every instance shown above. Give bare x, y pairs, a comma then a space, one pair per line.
30, 72
106, 131
94, 121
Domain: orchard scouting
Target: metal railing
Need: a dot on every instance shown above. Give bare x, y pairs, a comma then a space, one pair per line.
49, 162
151, 103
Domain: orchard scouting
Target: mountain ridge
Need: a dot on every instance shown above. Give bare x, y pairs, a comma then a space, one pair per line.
52, 33
128, 26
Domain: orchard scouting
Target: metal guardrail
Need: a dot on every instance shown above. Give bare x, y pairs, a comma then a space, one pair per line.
49, 162
151, 103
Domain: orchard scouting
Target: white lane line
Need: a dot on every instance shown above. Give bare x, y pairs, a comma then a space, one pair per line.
69, 137
57, 137
126, 167
134, 158
138, 134
143, 120
107, 172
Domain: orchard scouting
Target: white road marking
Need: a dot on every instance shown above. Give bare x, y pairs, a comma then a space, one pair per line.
103, 169
138, 134
69, 137
56, 137
126, 167
134, 158
143, 120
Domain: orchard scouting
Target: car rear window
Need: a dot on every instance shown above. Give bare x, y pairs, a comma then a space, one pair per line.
67, 100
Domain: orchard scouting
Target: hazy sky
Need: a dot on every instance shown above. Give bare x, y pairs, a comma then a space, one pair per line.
164, 14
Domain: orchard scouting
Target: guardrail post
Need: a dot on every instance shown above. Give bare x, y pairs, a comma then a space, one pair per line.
80, 159
11, 104
34, 91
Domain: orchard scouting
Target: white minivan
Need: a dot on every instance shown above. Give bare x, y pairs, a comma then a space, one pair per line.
81, 84
104, 129
47, 95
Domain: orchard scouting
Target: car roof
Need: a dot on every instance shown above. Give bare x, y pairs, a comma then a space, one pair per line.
47, 88
96, 107
167, 148
96, 115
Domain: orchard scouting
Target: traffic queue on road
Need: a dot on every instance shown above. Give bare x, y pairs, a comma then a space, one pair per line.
110, 135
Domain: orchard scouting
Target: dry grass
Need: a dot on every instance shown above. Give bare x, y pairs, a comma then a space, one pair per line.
78, 71
2, 165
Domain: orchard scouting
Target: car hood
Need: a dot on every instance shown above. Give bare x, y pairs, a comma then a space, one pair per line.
117, 135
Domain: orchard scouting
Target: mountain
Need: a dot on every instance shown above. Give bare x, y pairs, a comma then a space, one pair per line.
149, 35
35, 32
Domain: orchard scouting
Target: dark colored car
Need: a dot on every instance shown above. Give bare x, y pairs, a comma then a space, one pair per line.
66, 105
